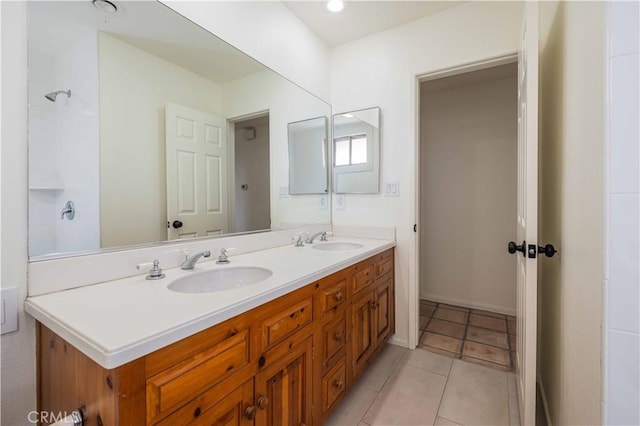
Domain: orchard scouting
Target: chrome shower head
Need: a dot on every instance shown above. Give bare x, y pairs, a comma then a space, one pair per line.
53, 95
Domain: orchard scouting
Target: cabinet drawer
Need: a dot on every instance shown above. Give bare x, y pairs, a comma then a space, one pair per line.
333, 384
176, 385
287, 322
384, 267
333, 297
333, 340
216, 406
362, 278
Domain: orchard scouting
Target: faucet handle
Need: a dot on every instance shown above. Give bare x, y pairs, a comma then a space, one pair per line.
299, 241
155, 273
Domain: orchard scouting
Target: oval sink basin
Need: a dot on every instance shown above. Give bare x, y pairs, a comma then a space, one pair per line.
220, 279
338, 246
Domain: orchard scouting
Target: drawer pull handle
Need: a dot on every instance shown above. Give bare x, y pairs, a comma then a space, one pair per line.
250, 412
339, 384
338, 336
374, 305
261, 361
197, 412
263, 402
338, 296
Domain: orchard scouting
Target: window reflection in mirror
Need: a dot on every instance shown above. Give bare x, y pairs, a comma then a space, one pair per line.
308, 156
117, 104
356, 148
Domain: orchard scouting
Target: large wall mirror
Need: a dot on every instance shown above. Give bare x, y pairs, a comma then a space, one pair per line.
356, 152
144, 127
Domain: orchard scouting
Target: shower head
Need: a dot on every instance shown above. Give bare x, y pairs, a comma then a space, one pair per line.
53, 95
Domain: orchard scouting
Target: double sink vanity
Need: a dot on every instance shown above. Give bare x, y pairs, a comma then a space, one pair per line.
277, 347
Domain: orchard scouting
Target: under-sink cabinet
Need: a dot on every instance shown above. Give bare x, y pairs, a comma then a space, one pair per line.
287, 362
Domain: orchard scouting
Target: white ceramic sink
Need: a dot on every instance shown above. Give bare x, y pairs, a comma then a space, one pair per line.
220, 279
337, 246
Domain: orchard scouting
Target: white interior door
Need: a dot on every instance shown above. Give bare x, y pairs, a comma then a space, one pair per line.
527, 232
197, 198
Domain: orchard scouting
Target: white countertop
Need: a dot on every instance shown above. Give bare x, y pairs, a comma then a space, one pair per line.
119, 321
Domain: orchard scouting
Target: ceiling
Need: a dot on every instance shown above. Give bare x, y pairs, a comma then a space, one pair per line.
362, 18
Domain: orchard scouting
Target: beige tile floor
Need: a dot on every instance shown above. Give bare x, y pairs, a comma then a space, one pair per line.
417, 387
481, 337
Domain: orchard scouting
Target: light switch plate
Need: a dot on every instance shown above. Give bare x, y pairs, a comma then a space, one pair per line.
9, 304
391, 189
341, 201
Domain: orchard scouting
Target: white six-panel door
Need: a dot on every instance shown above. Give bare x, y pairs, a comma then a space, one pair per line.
196, 173
527, 215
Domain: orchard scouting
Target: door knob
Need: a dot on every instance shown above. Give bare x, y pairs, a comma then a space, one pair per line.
549, 250
177, 224
513, 247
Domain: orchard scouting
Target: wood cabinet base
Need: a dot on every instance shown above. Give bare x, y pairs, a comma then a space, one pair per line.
287, 362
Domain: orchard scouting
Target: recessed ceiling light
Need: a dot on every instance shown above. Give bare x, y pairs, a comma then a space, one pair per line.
105, 6
335, 5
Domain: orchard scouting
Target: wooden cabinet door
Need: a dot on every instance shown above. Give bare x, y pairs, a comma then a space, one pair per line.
384, 314
363, 336
283, 389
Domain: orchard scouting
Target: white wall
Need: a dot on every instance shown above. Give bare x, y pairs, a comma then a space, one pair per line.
64, 140
380, 70
18, 352
252, 208
132, 134
622, 245
468, 141
571, 209
269, 32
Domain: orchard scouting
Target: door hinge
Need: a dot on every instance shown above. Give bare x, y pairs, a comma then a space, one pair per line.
415, 227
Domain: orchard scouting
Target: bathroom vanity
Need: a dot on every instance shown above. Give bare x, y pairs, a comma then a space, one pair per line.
287, 361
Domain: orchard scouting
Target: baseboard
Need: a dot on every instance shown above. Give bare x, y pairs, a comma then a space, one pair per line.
399, 342
545, 403
468, 304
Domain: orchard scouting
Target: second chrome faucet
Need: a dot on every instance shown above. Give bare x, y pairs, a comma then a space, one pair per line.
191, 260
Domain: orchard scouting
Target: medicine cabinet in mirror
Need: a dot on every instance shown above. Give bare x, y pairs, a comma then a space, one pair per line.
308, 156
356, 152
144, 127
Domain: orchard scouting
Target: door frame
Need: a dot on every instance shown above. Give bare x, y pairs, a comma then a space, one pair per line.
231, 156
414, 259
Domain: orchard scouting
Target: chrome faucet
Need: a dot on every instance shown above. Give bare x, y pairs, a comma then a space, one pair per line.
191, 261
322, 235
223, 259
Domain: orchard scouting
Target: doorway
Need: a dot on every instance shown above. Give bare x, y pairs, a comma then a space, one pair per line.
468, 198
251, 175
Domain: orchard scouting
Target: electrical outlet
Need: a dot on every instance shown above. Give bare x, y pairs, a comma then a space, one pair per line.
324, 202
9, 307
341, 201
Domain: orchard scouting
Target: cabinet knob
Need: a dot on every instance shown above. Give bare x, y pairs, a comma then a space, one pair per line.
339, 384
250, 412
338, 296
374, 305
263, 402
338, 336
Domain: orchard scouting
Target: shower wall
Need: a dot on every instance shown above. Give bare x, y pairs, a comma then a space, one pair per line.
62, 136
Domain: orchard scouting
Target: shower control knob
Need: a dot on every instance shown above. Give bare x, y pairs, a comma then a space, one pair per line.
177, 224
